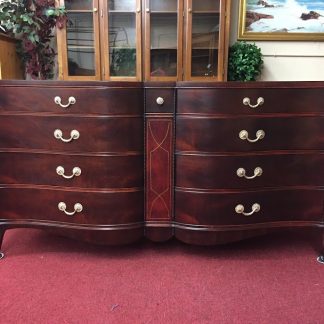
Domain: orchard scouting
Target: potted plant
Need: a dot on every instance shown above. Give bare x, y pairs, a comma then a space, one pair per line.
32, 22
245, 62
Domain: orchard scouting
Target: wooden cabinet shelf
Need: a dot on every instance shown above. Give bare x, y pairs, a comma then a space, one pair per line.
145, 40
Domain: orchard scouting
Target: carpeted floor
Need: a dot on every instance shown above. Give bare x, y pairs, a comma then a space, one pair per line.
49, 279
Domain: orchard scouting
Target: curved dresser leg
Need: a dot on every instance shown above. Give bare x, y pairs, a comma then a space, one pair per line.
320, 258
2, 232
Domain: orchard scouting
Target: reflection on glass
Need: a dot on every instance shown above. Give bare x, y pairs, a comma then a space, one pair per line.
80, 44
206, 5
78, 5
164, 6
122, 43
163, 44
122, 5
205, 37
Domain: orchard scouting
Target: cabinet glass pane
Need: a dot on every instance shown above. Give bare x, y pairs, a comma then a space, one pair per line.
164, 44
78, 4
205, 38
206, 5
165, 5
122, 43
80, 44
122, 5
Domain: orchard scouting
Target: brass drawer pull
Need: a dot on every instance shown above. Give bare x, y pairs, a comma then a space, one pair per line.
239, 209
247, 102
58, 101
74, 135
244, 135
242, 173
76, 172
77, 208
160, 101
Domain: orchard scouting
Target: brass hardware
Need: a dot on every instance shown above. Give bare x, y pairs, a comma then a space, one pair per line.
160, 101
239, 209
95, 10
247, 102
74, 135
244, 135
77, 208
58, 101
138, 10
242, 173
76, 172
190, 10
2, 255
147, 10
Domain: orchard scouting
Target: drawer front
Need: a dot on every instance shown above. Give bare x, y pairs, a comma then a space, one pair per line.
218, 208
104, 134
223, 135
98, 208
117, 101
229, 101
225, 172
160, 100
96, 171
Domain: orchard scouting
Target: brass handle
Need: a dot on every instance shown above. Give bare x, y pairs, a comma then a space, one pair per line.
74, 135
58, 101
242, 173
76, 172
95, 10
190, 10
77, 208
244, 135
247, 102
147, 10
160, 101
138, 10
239, 209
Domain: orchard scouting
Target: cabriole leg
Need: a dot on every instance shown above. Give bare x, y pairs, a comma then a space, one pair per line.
320, 259
2, 232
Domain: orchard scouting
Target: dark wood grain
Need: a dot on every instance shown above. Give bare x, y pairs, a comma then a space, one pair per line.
96, 172
90, 100
105, 134
228, 101
222, 135
220, 171
99, 208
218, 208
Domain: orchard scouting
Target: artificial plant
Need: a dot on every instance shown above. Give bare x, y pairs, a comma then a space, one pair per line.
32, 23
245, 62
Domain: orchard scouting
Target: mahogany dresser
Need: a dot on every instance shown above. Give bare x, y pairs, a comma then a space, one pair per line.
207, 163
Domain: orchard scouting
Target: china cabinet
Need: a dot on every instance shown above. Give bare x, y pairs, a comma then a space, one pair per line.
152, 40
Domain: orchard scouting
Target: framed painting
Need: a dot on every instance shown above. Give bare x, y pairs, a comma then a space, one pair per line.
281, 20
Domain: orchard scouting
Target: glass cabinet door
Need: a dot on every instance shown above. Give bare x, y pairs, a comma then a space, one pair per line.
80, 43
122, 40
205, 39
163, 39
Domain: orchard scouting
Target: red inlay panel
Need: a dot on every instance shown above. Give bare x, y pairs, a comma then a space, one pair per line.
159, 169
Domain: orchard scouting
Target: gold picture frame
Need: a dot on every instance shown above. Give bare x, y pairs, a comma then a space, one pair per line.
246, 33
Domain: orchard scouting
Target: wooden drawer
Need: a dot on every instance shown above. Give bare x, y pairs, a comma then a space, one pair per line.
218, 208
166, 97
99, 208
220, 172
96, 171
222, 134
230, 101
104, 134
89, 100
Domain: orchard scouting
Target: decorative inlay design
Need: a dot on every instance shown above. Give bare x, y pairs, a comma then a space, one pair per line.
159, 150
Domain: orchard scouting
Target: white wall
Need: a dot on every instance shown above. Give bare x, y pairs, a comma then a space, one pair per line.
286, 60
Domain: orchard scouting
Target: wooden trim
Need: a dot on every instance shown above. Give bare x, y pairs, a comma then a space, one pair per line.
180, 40
104, 36
227, 38
147, 40
188, 40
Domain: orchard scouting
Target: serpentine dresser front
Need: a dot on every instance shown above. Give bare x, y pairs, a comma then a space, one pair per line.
208, 163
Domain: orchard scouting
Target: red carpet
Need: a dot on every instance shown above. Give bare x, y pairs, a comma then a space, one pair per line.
49, 279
